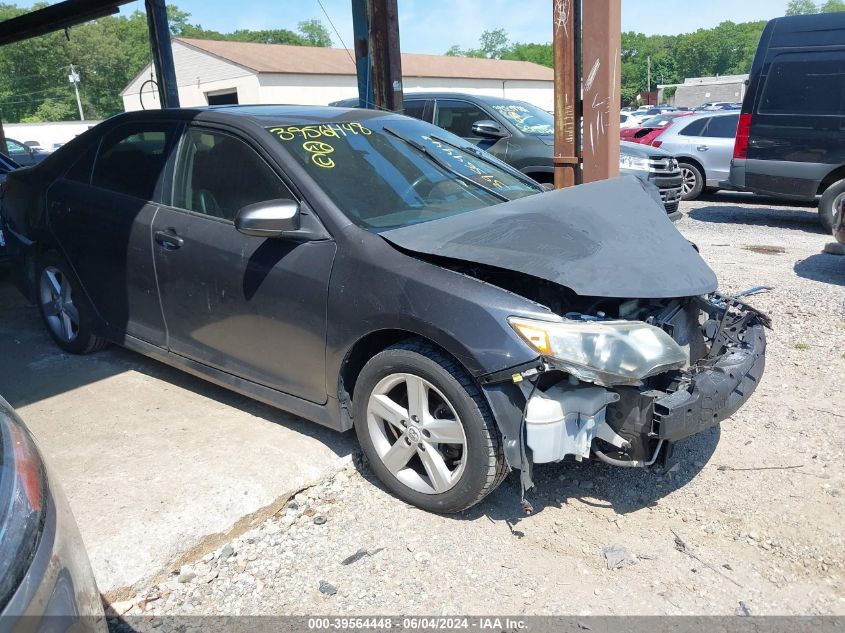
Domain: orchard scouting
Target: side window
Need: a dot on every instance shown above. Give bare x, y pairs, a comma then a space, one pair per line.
458, 116
415, 108
805, 83
218, 175
722, 126
696, 128
132, 159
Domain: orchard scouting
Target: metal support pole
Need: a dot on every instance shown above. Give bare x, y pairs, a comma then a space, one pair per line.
162, 53
602, 87
361, 32
566, 16
3, 148
385, 58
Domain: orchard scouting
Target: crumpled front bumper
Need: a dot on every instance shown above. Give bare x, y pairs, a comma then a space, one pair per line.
715, 391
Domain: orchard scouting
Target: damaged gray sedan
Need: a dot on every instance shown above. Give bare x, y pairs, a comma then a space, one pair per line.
367, 270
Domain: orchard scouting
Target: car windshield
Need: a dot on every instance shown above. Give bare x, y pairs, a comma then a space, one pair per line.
527, 118
387, 172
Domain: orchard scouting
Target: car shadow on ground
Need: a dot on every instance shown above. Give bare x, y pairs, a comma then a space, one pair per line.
798, 219
34, 369
829, 269
599, 485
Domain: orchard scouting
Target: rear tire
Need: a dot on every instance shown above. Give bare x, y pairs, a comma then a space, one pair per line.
64, 308
827, 205
693, 181
392, 390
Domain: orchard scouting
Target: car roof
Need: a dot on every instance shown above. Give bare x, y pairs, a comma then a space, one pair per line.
258, 114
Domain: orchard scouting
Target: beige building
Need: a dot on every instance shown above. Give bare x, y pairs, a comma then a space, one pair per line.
217, 72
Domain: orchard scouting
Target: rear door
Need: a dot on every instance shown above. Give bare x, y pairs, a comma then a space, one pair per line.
101, 212
715, 147
250, 306
798, 124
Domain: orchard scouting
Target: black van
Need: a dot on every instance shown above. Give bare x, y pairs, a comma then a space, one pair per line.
791, 136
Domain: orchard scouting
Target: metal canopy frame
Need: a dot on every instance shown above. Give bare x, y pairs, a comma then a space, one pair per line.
56, 17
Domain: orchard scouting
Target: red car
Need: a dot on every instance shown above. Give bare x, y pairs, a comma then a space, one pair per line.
651, 128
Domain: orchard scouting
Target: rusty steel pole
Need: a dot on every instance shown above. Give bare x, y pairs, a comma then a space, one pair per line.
385, 56
602, 44
3, 147
566, 16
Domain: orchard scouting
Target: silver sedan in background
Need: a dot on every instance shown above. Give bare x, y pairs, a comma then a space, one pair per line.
704, 147
46, 582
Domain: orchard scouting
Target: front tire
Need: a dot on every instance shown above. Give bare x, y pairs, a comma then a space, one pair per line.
833, 195
426, 429
64, 310
693, 181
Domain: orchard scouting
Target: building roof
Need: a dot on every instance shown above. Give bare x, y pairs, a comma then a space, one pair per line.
712, 81
312, 60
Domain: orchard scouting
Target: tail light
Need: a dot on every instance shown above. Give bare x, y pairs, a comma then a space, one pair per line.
656, 143
743, 132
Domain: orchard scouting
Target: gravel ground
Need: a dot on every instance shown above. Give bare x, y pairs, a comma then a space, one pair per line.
749, 523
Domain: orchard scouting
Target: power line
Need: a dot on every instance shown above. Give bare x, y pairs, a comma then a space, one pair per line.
346, 48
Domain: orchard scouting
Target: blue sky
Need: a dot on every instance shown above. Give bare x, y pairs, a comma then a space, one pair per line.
432, 26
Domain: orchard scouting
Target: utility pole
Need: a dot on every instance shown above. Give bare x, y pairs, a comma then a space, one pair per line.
566, 24
385, 55
649, 75
73, 77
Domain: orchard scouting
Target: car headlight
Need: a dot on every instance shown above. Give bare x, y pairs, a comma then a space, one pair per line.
633, 162
604, 352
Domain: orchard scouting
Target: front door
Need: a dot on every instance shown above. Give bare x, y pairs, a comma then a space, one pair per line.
101, 214
458, 116
250, 306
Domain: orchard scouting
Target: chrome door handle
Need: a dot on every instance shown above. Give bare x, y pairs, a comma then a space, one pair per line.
703, 148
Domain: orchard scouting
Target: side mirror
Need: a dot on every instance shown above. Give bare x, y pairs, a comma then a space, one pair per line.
268, 219
488, 129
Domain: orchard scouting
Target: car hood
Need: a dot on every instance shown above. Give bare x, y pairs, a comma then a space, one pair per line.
605, 239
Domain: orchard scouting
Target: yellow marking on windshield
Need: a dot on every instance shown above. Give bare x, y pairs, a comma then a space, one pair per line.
320, 153
331, 130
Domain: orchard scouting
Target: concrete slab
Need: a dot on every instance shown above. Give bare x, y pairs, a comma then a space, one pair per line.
154, 462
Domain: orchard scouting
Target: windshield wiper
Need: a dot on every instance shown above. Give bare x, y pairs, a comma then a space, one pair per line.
444, 165
483, 156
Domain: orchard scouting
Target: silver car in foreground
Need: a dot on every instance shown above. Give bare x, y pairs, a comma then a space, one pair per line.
46, 582
704, 147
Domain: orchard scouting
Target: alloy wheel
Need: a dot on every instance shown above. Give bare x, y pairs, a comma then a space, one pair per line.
56, 296
416, 433
689, 180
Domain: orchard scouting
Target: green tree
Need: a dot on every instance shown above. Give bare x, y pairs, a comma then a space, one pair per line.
833, 6
801, 7
492, 45
315, 33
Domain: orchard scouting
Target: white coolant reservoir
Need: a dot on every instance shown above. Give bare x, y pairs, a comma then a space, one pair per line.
564, 419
